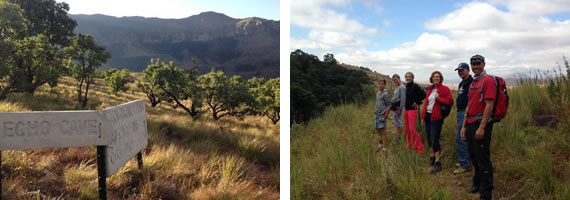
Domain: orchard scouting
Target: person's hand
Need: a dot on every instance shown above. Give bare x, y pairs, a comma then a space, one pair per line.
480, 134
415, 106
436, 96
463, 134
383, 119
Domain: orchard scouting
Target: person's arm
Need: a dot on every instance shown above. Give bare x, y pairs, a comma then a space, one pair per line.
486, 115
421, 92
402, 100
388, 105
463, 125
445, 97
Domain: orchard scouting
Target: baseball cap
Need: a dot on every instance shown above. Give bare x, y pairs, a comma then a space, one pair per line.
462, 66
477, 58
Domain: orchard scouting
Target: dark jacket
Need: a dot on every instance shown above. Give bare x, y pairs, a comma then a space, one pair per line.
463, 93
444, 98
414, 94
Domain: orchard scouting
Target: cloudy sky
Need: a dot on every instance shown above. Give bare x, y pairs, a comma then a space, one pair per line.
268, 9
423, 36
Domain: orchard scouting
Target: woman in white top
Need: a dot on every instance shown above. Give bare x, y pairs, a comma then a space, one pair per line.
437, 95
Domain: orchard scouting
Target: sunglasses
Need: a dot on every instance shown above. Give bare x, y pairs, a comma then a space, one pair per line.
475, 63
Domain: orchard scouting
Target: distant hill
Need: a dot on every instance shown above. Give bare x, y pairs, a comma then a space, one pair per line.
248, 47
372, 74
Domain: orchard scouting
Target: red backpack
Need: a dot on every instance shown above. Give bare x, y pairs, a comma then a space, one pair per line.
501, 102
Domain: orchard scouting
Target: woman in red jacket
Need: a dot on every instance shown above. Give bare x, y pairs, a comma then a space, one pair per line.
436, 95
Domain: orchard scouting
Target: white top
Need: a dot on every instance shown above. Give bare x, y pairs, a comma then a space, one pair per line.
431, 100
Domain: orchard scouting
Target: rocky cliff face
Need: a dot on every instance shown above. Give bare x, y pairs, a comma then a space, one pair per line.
248, 47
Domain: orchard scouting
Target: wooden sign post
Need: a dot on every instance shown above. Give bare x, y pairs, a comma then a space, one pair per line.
129, 136
119, 132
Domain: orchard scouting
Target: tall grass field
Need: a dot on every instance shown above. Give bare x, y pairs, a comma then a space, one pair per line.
185, 158
335, 156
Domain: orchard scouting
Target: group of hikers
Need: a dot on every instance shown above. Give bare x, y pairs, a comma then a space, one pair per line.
475, 103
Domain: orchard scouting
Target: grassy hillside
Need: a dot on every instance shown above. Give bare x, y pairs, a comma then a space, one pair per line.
185, 158
334, 156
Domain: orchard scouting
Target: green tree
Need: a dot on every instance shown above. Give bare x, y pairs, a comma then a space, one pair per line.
117, 80
179, 85
49, 18
87, 56
226, 96
319, 84
266, 94
37, 57
12, 24
148, 83
37, 62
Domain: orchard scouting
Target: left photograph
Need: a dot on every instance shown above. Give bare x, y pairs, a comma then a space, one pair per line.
139, 99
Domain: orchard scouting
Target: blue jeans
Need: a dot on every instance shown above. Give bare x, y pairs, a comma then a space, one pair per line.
461, 145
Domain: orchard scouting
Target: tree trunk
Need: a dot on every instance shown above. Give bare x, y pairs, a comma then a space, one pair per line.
79, 87
31, 90
215, 114
86, 91
192, 112
153, 103
153, 99
4, 93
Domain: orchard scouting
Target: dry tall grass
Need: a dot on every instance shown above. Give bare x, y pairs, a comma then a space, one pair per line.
335, 156
185, 158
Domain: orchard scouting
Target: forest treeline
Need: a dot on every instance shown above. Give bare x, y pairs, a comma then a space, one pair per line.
316, 84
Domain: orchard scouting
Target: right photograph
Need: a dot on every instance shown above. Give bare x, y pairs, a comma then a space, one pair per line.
430, 100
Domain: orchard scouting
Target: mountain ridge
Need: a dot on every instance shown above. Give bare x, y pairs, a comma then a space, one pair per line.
247, 47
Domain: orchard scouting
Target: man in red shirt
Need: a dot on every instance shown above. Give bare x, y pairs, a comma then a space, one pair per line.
477, 129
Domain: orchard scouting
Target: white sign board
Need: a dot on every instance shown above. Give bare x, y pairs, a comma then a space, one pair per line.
129, 133
32, 130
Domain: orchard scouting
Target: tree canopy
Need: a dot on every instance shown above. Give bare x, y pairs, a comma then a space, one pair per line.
87, 56
33, 32
117, 80
317, 84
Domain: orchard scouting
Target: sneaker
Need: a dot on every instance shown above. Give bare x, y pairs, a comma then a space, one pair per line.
473, 189
461, 170
457, 165
385, 150
380, 146
431, 161
436, 167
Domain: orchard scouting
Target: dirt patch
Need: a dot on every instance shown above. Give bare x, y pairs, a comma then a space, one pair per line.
545, 120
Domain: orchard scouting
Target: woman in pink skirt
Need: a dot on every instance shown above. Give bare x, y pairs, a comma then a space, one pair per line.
414, 97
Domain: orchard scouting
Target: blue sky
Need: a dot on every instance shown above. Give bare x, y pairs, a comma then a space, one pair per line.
424, 36
268, 9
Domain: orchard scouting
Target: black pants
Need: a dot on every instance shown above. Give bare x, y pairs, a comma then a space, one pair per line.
480, 154
433, 132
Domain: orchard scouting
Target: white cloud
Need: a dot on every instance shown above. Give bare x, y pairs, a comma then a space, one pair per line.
535, 7
328, 28
333, 38
511, 41
308, 44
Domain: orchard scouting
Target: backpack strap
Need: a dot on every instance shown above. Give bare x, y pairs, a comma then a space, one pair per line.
477, 116
496, 96
478, 88
480, 115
